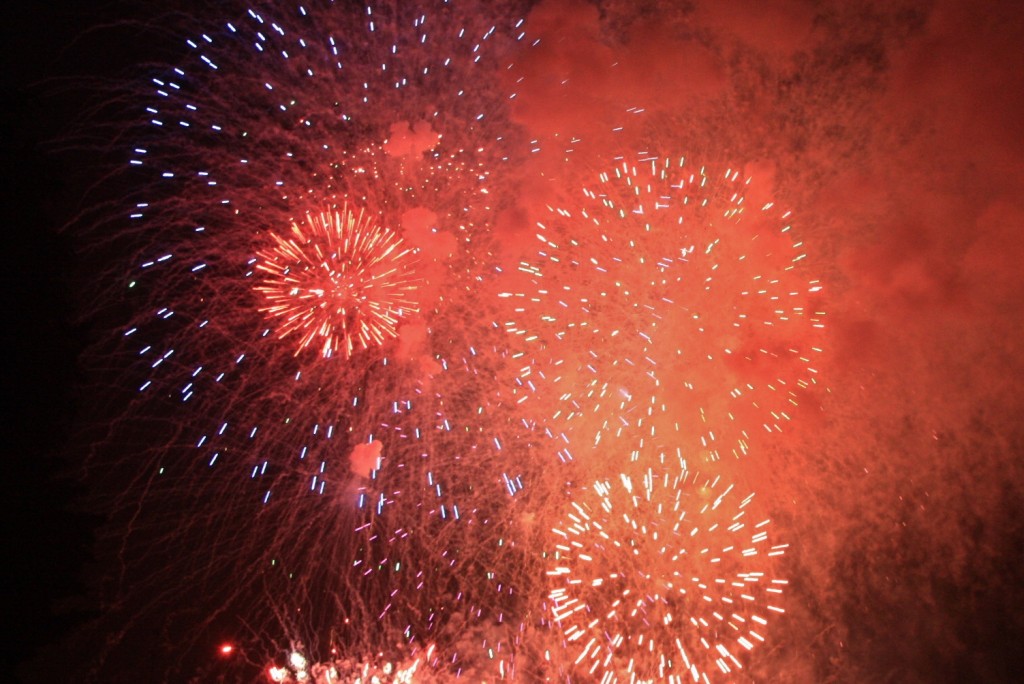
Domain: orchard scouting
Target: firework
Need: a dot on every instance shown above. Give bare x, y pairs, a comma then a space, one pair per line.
662, 578
340, 281
297, 175
659, 301
279, 117
471, 475
331, 413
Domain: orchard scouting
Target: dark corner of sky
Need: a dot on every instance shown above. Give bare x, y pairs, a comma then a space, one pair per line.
50, 53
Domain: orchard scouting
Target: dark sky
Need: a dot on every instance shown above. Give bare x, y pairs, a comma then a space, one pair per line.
891, 128
52, 66
46, 544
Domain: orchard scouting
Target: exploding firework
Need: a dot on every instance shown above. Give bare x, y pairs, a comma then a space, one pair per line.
306, 176
662, 578
278, 118
341, 281
330, 413
659, 301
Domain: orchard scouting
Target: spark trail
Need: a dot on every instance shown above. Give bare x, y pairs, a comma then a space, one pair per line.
378, 124
361, 447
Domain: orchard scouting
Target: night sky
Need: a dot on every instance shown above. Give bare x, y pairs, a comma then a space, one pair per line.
891, 129
49, 538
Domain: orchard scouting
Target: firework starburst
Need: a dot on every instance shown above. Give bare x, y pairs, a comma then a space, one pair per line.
340, 283
659, 577
660, 300
365, 446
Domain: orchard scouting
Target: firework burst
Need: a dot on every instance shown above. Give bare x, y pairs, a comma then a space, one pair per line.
279, 326
340, 281
275, 118
660, 301
661, 578
361, 441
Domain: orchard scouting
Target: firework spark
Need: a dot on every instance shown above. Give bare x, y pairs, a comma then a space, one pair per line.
659, 300
341, 281
284, 112
658, 578
279, 112
348, 435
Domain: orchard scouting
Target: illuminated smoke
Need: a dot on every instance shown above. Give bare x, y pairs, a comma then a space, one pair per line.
365, 445
659, 300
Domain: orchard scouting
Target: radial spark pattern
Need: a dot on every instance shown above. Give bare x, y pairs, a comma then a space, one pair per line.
362, 446
340, 283
661, 301
280, 113
662, 578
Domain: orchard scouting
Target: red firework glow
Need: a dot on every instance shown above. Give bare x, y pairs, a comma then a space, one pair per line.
341, 282
395, 509
660, 299
541, 322
661, 578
